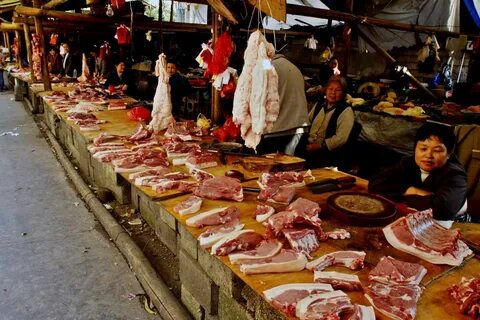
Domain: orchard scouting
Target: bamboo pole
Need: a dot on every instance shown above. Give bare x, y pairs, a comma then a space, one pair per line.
392, 60
364, 20
28, 44
47, 86
7, 44
53, 3
20, 49
7, 26
215, 108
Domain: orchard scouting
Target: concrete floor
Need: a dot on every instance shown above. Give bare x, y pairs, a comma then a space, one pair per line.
56, 262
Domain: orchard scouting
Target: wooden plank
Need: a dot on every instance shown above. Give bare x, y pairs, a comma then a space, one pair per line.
276, 9
222, 10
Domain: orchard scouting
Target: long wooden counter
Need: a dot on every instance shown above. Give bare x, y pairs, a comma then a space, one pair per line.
211, 286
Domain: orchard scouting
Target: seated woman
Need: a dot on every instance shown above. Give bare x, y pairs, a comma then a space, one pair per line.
431, 178
332, 122
179, 89
120, 79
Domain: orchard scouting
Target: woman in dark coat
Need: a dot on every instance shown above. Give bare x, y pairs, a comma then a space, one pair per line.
431, 178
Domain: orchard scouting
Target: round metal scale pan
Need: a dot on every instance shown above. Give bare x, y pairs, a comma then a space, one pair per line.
361, 208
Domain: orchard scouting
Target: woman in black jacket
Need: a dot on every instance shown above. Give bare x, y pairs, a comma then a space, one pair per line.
431, 178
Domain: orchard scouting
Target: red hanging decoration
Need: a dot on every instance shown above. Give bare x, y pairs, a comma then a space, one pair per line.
118, 4
222, 51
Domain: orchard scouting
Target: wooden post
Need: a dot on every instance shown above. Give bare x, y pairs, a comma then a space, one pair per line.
392, 60
7, 45
28, 44
19, 44
47, 86
53, 3
215, 109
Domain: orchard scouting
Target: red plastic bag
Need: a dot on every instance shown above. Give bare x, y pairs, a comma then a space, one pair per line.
139, 114
229, 131
228, 90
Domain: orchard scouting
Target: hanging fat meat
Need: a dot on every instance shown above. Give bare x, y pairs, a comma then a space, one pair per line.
256, 102
162, 102
85, 71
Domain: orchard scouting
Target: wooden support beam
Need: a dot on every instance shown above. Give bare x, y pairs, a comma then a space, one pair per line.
364, 20
7, 44
47, 86
18, 58
53, 3
7, 26
28, 44
215, 100
392, 60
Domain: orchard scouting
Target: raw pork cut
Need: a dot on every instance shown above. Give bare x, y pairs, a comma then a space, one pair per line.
338, 280
190, 205
302, 240
359, 312
162, 102
284, 261
239, 240
165, 185
266, 249
396, 302
256, 100
338, 234
149, 172
292, 219
220, 188
467, 296
350, 259
393, 271
140, 134
214, 234
327, 305
200, 175
263, 212
214, 217
201, 159
280, 187
95, 149
419, 235
305, 206
286, 296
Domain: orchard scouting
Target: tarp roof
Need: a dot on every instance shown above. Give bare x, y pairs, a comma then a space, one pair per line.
293, 20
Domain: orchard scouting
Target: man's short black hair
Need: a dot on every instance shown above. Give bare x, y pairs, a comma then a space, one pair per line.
443, 132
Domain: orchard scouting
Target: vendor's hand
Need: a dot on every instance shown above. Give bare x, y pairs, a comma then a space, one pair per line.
311, 147
417, 191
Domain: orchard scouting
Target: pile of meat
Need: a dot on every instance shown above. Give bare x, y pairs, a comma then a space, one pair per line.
162, 103
36, 56
280, 187
316, 301
394, 289
201, 159
185, 130
85, 71
467, 296
256, 102
420, 235
89, 94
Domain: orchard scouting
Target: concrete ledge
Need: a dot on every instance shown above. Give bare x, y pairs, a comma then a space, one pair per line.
192, 305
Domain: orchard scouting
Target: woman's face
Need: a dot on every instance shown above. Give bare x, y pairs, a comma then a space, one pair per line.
120, 67
334, 92
431, 154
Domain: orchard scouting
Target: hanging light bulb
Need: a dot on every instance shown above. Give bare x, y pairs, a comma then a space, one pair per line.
109, 10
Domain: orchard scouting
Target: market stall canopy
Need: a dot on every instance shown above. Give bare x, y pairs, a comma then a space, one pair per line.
473, 8
294, 20
442, 15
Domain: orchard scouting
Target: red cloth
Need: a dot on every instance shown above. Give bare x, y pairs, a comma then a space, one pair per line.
53, 39
104, 51
118, 4
123, 34
222, 51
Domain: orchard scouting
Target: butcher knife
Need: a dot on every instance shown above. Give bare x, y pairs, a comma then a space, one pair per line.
323, 185
327, 185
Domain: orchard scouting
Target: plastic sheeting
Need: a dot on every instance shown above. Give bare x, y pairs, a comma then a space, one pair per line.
444, 15
473, 7
294, 20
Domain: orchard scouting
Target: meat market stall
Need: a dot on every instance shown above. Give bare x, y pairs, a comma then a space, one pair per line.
212, 285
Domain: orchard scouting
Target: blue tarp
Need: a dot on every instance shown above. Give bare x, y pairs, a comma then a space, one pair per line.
473, 7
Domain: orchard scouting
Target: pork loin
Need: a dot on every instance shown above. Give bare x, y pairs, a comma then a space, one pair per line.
393, 271
239, 240
220, 188
327, 305
350, 259
263, 212
190, 205
214, 234
214, 217
286, 296
266, 249
338, 280
285, 261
